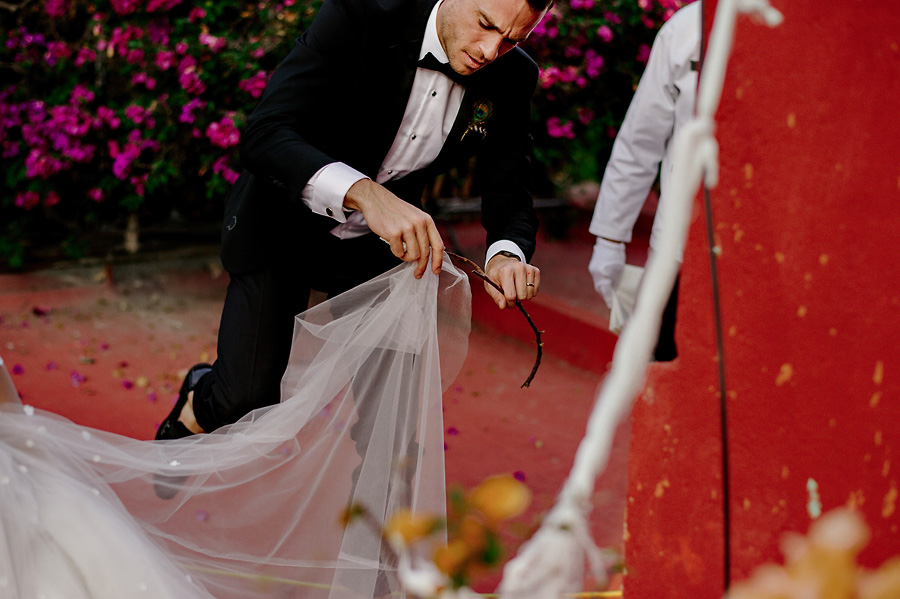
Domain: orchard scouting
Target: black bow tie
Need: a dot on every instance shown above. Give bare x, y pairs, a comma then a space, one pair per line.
433, 64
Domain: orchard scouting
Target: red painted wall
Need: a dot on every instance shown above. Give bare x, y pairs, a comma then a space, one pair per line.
807, 215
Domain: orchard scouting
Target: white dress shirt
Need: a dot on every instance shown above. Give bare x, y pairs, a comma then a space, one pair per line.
431, 110
662, 103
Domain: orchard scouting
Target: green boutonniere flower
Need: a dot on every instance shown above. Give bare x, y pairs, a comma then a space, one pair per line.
481, 112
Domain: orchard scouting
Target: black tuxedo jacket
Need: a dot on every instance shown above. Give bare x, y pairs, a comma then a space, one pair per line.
340, 96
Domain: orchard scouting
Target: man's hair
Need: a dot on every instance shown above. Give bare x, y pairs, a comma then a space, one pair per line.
540, 5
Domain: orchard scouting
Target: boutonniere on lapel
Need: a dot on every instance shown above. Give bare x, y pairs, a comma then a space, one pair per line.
481, 112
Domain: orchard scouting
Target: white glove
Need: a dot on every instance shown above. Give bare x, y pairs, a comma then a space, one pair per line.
606, 266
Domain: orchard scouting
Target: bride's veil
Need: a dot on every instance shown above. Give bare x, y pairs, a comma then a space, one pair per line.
258, 505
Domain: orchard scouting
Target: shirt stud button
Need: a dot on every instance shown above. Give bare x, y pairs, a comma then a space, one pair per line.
433, 94
329, 212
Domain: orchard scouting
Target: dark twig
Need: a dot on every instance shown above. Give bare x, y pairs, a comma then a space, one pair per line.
476, 270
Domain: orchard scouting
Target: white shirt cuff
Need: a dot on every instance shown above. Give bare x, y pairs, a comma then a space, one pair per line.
504, 245
325, 191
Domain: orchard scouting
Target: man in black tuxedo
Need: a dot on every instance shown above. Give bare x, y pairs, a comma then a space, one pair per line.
351, 127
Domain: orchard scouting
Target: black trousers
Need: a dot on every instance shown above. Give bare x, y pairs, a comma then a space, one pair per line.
665, 347
257, 324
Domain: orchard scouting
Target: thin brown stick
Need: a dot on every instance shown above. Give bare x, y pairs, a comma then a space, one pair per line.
476, 270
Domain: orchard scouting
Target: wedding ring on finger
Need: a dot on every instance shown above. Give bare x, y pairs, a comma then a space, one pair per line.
529, 284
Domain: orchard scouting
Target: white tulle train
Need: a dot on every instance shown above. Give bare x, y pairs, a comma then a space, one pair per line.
258, 512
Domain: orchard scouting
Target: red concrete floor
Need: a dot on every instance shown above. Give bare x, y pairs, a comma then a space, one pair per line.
108, 347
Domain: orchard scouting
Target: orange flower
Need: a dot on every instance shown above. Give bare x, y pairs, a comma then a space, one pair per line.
500, 498
411, 527
453, 557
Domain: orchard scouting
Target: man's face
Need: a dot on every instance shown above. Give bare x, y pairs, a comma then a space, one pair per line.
477, 32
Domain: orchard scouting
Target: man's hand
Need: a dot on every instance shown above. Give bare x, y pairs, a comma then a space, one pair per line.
409, 231
606, 266
518, 280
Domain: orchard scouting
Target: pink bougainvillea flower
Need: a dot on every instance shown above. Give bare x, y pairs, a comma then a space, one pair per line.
27, 199
51, 199
159, 31
196, 14
108, 116
549, 76
81, 94
143, 79
256, 84
593, 63
216, 44
124, 7
135, 56
585, 115
568, 74
155, 5
165, 59
605, 33
220, 167
138, 183
223, 133
56, 8
187, 111
190, 81
56, 50
95, 194
84, 55
557, 128
643, 54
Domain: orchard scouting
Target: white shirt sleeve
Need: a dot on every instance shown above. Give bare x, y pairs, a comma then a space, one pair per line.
325, 191
504, 245
639, 147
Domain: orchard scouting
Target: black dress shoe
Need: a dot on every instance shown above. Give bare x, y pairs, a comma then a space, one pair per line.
166, 487
170, 427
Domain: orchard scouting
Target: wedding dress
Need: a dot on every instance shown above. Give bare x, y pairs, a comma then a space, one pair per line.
259, 509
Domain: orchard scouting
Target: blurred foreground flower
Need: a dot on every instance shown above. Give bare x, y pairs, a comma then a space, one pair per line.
823, 565
474, 525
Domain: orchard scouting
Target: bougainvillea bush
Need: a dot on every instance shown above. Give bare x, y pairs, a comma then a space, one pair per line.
592, 54
110, 109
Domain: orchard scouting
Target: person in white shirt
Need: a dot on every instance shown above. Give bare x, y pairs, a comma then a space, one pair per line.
663, 102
